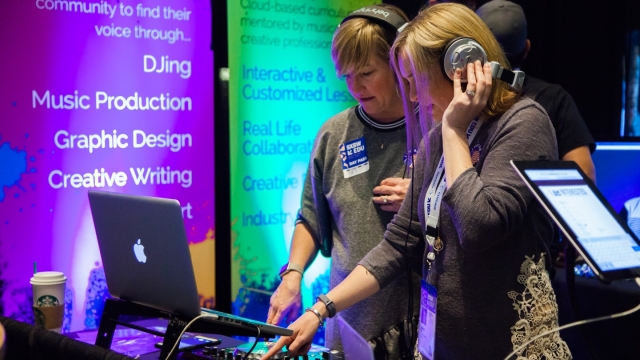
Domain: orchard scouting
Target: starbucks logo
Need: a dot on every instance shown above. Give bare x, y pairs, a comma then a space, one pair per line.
39, 317
47, 300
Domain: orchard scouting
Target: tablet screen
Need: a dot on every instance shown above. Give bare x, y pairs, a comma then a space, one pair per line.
608, 244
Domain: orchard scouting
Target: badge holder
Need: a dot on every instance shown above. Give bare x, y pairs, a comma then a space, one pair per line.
427, 325
114, 308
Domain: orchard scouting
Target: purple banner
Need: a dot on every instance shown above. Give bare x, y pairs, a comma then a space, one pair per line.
110, 95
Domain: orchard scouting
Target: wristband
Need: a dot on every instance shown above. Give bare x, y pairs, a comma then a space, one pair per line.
317, 313
328, 303
286, 268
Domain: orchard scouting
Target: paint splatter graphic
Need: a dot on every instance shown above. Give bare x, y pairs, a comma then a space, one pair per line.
2, 283
97, 295
13, 163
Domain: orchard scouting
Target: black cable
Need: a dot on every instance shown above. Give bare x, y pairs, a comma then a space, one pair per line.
404, 171
183, 331
408, 330
246, 356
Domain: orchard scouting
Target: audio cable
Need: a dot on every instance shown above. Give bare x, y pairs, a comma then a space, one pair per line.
246, 356
185, 330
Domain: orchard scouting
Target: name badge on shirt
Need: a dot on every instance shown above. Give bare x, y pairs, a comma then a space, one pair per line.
427, 326
353, 155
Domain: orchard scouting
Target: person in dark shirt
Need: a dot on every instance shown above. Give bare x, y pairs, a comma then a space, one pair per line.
507, 22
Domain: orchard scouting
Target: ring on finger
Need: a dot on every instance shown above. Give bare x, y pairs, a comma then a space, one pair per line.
384, 199
470, 93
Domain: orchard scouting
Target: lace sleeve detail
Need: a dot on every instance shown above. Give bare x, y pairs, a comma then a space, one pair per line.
538, 312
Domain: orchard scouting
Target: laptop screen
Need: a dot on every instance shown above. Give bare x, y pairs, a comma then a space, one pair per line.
146, 259
600, 234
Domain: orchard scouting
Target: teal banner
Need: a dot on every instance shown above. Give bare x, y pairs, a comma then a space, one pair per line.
282, 87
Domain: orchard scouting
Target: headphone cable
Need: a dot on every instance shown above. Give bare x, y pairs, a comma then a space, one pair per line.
408, 329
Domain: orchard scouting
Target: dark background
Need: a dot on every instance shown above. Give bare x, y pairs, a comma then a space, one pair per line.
580, 45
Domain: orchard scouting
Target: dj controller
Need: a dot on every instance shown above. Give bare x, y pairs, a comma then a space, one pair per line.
239, 353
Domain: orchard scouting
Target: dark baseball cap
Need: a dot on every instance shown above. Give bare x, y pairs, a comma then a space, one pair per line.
508, 24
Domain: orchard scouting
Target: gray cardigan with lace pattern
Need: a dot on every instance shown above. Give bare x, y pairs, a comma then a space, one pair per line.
490, 276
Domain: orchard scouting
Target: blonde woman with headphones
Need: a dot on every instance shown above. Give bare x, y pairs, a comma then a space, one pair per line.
478, 232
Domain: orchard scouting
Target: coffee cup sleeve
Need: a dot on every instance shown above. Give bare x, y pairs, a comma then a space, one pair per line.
49, 317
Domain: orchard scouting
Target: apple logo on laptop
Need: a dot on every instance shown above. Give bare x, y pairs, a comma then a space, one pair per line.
138, 250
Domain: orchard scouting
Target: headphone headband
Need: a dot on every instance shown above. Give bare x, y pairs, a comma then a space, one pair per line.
379, 14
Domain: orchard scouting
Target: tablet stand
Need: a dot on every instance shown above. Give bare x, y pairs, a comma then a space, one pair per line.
114, 308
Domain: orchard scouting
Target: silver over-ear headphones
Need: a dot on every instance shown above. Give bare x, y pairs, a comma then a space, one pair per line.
461, 51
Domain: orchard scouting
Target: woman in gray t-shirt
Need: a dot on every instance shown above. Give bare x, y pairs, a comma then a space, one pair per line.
354, 185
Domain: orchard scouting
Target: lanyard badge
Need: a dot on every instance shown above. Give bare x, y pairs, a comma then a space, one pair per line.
427, 326
429, 293
433, 198
354, 158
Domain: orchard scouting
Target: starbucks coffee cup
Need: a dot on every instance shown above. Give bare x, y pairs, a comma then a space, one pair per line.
48, 299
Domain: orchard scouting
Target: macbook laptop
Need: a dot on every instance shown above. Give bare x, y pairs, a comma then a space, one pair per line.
355, 347
585, 217
146, 259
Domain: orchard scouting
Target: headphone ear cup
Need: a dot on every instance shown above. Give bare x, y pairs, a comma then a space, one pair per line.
458, 53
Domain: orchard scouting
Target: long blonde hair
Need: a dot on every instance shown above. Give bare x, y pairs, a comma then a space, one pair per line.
424, 41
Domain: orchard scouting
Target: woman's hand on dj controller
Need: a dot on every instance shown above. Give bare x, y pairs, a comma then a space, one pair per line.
304, 329
285, 302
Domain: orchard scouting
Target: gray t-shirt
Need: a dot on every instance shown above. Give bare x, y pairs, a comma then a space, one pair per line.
340, 210
494, 292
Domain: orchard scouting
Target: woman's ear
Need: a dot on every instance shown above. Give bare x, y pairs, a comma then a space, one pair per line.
527, 47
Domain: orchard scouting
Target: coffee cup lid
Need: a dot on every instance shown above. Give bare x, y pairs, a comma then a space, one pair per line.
48, 278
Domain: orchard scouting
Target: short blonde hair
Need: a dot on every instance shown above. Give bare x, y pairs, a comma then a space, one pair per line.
357, 39
424, 41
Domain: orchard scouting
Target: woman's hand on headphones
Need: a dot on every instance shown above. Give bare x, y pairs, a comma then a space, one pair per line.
466, 105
